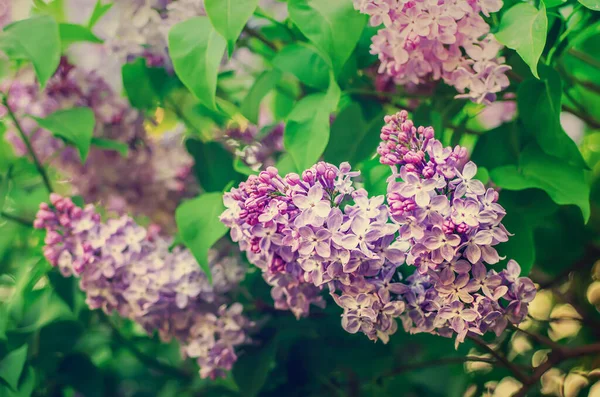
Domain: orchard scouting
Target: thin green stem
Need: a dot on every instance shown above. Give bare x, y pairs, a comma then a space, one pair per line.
25, 138
16, 219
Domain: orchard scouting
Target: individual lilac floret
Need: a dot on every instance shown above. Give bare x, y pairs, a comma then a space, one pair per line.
451, 224
424, 40
126, 268
315, 230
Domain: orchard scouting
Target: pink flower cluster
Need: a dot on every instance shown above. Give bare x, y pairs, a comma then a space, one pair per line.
423, 40
125, 268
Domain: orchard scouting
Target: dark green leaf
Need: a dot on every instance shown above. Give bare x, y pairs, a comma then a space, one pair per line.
109, 144
196, 50
564, 183
76, 126
252, 369
539, 107
12, 365
262, 86
307, 130
78, 371
199, 225
213, 165
375, 176
305, 63
138, 86
229, 17
72, 33
333, 26
523, 28
36, 40
353, 138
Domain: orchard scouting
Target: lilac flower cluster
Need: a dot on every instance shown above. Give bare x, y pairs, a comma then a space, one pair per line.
451, 224
317, 229
141, 183
125, 268
423, 40
296, 230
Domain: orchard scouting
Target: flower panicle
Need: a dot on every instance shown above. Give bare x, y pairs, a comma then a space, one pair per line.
126, 268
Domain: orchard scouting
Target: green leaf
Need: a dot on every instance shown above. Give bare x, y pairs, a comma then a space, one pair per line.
199, 225
262, 86
242, 168
137, 84
12, 365
564, 183
99, 10
229, 17
307, 131
196, 49
75, 125
593, 5
375, 176
305, 63
523, 28
109, 144
4, 187
73, 33
539, 104
78, 371
352, 137
213, 165
36, 40
252, 369
333, 26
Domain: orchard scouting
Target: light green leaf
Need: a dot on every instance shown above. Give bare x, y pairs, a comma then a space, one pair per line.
75, 125
262, 86
12, 365
333, 26
523, 28
305, 63
109, 144
36, 40
307, 131
229, 17
539, 104
196, 49
242, 168
72, 33
99, 10
564, 183
199, 225
593, 5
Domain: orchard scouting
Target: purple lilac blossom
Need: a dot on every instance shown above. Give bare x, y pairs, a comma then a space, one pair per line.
296, 230
422, 41
126, 268
150, 181
451, 223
